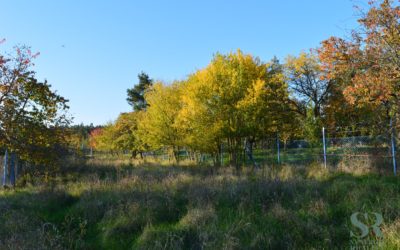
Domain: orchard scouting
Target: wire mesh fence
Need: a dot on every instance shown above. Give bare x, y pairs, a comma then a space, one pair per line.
337, 152
370, 151
348, 152
361, 151
10, 169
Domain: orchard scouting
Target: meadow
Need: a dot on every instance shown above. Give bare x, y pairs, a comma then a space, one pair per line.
123, 204
238, 152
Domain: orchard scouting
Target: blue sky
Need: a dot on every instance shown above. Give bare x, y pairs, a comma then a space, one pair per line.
91, 51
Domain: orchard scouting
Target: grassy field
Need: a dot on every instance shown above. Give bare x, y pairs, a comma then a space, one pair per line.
118, 205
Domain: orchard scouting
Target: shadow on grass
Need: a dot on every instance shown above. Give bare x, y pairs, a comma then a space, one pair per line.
153, 207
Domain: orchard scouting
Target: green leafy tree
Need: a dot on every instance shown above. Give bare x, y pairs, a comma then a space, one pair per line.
127, 135
31, 114
105, 139
312, 126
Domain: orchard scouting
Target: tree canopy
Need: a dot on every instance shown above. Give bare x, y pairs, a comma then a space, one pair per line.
31, 114
343, 85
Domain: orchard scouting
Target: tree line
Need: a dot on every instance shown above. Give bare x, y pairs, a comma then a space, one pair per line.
343, 85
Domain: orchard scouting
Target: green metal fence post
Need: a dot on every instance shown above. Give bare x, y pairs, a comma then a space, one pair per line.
393, 142
5, 166
279, 148
324, 144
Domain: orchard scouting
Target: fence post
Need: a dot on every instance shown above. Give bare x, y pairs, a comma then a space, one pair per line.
393, 141
324, 144
5, 168
244, 152
12, 169
279, 148
222, 154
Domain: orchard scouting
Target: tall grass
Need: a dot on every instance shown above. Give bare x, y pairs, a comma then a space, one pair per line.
121, 205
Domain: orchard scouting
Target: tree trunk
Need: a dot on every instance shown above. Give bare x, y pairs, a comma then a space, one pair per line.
249, 151
316, 111
176, 155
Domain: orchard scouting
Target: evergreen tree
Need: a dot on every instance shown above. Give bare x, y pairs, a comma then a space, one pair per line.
136, 94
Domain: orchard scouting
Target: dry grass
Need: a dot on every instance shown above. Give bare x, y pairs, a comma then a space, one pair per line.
130, 206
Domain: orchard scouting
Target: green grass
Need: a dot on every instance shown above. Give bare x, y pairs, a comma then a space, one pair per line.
104, 206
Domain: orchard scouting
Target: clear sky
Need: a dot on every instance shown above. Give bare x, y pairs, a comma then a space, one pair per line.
91, 51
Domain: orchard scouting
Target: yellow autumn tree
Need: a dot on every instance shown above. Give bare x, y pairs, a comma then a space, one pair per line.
235, 97
159, 127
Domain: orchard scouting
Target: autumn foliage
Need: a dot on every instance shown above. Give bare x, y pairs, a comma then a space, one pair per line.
32, 115
343, 85
369, 61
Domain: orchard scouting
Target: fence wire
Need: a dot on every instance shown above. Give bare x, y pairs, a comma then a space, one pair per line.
341, 152
372, 151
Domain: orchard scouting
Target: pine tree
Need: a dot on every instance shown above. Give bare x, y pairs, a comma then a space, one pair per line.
136, 94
